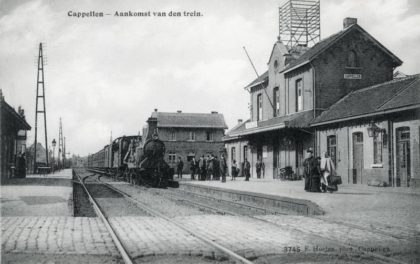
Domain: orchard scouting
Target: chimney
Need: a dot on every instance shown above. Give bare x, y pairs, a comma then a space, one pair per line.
348, 21
156, 109
151, 127
179, 111
240, 121
214, 112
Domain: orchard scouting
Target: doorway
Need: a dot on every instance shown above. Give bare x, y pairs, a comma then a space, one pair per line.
403, 157
357, 157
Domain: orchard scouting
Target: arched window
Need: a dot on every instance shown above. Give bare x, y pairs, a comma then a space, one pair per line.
352, 59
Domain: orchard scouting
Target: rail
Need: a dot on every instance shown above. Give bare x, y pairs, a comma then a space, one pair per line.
155, 213
108, 226
379, 257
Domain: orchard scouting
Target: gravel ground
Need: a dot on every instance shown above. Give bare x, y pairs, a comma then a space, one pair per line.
171, 208
81, 203
112, 202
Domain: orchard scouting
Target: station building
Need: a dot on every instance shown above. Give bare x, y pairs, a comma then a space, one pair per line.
373, 134
13, 127
299, 85
188, 135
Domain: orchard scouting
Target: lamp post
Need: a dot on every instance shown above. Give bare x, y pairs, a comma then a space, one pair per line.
53, 145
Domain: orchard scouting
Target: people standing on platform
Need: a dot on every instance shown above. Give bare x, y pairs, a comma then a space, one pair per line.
216, 168
260, 167
312, 172
202, 168
223, 167
247, 170
316, 176
180, 167
327, 170
234, 170
263, 170
193, 168
209, 170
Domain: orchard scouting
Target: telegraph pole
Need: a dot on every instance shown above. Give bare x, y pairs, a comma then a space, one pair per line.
40, 93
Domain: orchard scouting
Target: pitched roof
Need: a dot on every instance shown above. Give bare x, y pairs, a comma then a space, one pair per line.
263, 78
327, 42
395, 95
191, 120
295, 120
18, 119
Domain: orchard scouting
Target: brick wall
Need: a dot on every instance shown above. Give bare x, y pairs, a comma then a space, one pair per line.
373, 64
182, 146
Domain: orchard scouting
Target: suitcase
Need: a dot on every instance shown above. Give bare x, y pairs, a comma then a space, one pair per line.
336, 180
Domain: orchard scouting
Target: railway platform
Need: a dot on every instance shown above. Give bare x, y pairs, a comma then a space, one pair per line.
38, 195
361, 204
38, 224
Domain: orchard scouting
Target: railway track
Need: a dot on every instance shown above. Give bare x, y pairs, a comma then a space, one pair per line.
231, 208
236, 258
117, 241
382, 258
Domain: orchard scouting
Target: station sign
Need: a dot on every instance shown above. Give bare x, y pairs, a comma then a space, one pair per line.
352, 76
253, 124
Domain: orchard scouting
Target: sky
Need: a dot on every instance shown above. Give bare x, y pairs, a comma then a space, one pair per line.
108, 74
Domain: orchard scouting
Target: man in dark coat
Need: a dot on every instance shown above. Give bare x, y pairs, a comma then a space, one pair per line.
180, 167
247, 169
209, 168
223, 167
307, 165
193, 168
258, 167
202, 168
216, 168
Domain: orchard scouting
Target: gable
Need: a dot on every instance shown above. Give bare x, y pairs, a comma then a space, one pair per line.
327, 43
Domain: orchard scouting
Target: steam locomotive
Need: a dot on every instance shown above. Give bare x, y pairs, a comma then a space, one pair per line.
135, 159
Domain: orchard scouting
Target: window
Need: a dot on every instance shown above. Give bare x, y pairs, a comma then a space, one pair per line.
232, 154
299, 95
332, 148
276, 96
276, 64
209, 136
173, 135
403, 133
352, 59
259, 109
192, 135
171, 158
377, 148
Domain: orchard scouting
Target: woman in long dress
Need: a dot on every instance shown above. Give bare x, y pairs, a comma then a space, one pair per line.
327, 170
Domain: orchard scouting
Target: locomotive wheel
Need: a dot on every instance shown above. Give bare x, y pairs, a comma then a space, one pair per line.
163, 182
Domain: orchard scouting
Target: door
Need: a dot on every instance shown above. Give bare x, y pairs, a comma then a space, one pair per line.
357, 157
403, 157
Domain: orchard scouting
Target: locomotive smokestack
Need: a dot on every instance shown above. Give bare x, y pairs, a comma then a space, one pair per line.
151, 127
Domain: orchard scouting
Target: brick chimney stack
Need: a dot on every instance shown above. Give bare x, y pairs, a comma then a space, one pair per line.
349, 21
